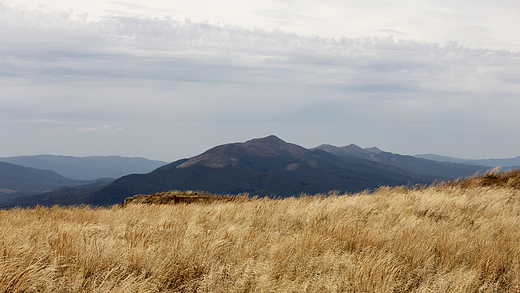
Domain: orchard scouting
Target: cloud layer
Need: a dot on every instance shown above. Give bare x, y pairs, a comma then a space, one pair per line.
167, 80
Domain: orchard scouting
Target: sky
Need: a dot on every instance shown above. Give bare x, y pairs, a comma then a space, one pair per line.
167, 80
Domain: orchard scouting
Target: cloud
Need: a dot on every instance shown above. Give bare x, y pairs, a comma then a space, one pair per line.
391, 31
286, 17
166, 50
96, 128
133, 6
118, 58
32, 121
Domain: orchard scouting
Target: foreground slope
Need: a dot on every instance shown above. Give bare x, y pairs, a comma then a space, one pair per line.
458, 237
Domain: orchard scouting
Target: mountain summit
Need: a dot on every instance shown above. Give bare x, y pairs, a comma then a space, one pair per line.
349, 150
279, 146
231, 154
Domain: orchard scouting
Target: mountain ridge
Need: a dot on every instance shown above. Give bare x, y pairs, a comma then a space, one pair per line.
18, 181
267, 166
507, 162
413, 164
87, 168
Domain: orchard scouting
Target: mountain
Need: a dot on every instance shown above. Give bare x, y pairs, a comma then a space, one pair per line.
512, 162
349, 150
373, 150
17, 181
60, 196
438, 158
231, 154
412, 164
266, 167
507, 163
23, 179
87, 168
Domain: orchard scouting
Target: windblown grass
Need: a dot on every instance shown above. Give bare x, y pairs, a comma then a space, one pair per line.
458, 237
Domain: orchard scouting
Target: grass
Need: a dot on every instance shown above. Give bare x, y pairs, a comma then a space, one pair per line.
461, 236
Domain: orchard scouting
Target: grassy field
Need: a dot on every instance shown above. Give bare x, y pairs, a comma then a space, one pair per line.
458, 237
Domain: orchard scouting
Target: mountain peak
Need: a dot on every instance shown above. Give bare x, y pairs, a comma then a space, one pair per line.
230, 154
227, 155
279, 146
374, 150
270, 139
353, 148
345, 150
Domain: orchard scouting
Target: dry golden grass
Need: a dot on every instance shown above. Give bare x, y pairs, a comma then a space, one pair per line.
458, 237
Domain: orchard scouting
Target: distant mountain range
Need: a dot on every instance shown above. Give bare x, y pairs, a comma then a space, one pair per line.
87, 168
266, 167
412, 164
506, 163
22, 179
17, 181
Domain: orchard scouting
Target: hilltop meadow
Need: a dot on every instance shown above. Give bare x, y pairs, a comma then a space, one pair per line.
459, 236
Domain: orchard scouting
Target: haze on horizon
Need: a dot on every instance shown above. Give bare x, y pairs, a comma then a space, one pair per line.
166, 80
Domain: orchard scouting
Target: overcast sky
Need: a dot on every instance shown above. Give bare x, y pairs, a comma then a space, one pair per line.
169, 79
